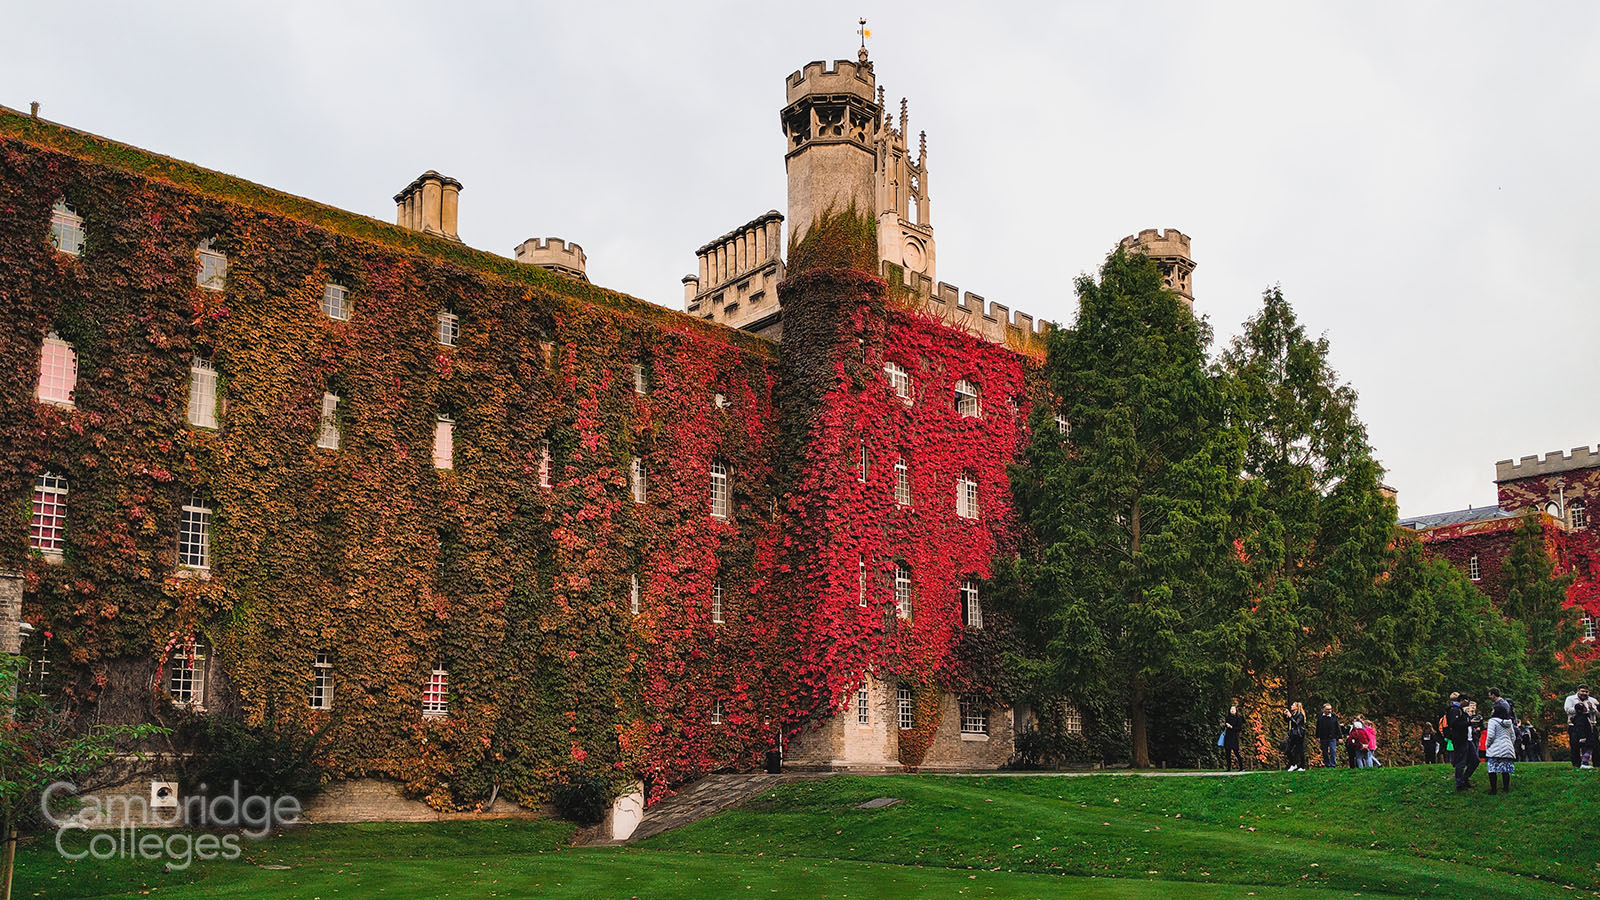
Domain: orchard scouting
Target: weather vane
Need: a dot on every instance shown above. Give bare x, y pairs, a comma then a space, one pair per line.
865, 33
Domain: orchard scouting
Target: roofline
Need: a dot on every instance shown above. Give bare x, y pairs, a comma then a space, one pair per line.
358, 226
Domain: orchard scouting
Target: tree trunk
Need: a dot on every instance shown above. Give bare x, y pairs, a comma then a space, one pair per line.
9, 864
1139, 726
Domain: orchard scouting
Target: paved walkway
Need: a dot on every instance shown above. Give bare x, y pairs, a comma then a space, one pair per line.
699, 799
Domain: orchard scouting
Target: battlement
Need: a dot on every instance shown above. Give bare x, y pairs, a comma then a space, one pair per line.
845, 77
1554, 462
1170, 250
992, 321
554, 254
1154, 242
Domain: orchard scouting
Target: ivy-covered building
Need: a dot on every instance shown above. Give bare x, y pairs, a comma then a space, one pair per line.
493, 526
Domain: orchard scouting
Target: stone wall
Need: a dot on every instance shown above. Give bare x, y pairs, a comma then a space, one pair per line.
843, 742
952, 749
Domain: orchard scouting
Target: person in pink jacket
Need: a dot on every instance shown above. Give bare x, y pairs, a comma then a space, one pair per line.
1366, 739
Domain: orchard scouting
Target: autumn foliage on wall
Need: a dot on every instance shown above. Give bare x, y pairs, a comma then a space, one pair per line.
846, 531
367, 552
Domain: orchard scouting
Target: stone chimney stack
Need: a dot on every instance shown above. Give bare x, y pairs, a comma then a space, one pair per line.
429, 205
554, 254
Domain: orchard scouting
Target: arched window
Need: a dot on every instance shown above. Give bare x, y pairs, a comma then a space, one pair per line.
66, 229
967, 496
967, 399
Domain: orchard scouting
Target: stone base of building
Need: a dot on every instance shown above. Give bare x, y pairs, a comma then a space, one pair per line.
866, 740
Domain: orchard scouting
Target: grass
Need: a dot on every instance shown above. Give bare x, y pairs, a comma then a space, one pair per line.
1390, 832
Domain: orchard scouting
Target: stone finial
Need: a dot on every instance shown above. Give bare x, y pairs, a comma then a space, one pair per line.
429, 205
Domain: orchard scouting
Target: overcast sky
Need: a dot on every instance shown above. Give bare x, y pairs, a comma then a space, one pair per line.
1419, 177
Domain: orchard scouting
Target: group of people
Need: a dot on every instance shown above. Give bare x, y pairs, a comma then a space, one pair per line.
1464, 737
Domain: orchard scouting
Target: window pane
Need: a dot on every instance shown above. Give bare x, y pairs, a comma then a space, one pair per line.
47, 529
336, 302
444, 443
202, 395
58, 371
194, 534
449, 328
328, 432
66, 230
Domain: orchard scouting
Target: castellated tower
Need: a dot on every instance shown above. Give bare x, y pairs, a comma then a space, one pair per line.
1170, 250
831, 122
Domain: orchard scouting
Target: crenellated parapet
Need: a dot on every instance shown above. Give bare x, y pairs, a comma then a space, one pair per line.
736, 282
1554, 463
969, 312
555, 254
1170, 250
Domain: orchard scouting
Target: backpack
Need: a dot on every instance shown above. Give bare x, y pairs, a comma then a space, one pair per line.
1444, 722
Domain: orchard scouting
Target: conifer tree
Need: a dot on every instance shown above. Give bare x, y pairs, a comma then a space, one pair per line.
1325, 535
1135, 586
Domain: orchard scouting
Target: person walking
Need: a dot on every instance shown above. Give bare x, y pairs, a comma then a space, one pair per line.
1232, 728
1501, 748
1328, 736
1294, 746
1464, 755
1581, 710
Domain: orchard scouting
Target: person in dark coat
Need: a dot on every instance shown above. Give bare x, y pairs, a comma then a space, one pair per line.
1232, 729
1430, 745
1294, 746
1464, 749
1328, 736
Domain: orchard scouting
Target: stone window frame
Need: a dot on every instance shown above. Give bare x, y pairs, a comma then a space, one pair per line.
1474, 566
436, 693
321, 680
194, 534
47, 529
863, 706
1578, 514
67, 234
974, 716
58, 372
186, 683
202, 412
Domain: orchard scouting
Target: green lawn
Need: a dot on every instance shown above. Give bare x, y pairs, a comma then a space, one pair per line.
1389, 832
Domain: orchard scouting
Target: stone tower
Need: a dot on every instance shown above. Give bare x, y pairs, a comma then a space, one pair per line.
832, 124
905, 233
1170, 250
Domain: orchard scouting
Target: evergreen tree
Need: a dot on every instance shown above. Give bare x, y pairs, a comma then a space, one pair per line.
1135, 588
1536, 597
1324, 538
